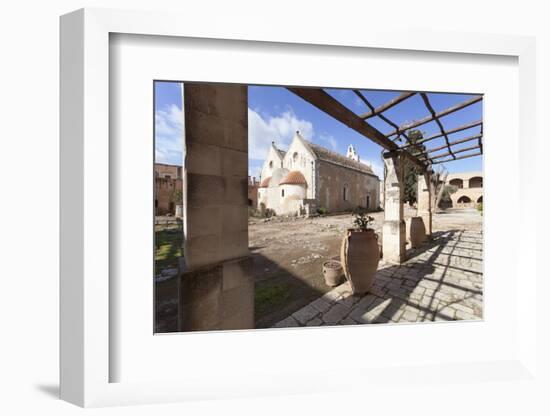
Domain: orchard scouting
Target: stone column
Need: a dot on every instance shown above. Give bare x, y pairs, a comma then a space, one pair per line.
394, 240
217, 290
424, 201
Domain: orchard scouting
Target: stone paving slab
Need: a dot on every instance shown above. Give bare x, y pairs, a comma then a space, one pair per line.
441, 281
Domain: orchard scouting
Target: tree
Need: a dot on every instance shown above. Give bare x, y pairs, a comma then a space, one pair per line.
439, 189
177, 197
412, 171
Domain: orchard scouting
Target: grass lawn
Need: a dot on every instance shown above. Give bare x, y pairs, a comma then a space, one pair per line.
168, 247
269, 298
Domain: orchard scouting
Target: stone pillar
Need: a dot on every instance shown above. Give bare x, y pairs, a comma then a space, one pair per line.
424, 201
393, 230
217, 289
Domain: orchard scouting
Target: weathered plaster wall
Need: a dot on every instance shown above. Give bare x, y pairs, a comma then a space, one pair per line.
333, 178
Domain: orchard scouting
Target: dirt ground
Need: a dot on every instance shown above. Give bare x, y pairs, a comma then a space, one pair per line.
289, 252
288, 255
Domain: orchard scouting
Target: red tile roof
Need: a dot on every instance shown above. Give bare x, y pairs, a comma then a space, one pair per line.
265, 182
294, 177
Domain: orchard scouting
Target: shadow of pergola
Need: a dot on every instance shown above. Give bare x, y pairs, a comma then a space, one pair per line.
417, 269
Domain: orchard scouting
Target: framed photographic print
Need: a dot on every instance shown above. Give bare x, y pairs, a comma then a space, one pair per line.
250, 216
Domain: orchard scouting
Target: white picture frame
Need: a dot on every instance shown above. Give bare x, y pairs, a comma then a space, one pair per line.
86, 353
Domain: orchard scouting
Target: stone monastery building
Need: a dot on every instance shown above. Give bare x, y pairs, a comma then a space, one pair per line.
308, 176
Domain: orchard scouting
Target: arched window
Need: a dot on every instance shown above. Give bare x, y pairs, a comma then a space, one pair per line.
295, 159
271, 164
283, 193
476, 182
464, 200
457, 182
345, 192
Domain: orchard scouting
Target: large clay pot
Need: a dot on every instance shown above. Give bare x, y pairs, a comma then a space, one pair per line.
332, 272
359, 255
417, 232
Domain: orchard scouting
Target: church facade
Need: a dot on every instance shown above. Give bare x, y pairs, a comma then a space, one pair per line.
308, 177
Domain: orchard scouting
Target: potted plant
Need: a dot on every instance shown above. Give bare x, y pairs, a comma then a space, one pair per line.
360, 253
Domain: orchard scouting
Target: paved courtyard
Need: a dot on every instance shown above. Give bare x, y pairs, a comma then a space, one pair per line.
441, 281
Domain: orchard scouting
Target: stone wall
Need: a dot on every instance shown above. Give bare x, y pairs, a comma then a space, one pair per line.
164, 195
472, 189
217, 290
163, 170
253, 185
333, 178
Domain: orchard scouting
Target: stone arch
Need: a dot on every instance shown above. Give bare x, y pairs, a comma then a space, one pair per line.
459, 183
475, 182
480, 199
464, 199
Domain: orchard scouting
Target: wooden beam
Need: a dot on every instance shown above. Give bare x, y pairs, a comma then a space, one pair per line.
458, 158
460, 141
443, 113
466, 149
338, 111
332, 107
380, 115
379, 110
449, 132
436, 118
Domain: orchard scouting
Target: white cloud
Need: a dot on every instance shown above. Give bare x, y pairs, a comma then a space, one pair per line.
330, 140
169, 135
280, 129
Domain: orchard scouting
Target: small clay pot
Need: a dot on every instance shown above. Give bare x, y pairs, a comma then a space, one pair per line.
332, 272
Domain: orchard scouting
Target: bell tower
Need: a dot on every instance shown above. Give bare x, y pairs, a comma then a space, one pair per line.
352, 154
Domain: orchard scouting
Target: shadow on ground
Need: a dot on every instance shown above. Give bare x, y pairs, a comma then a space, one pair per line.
280, 292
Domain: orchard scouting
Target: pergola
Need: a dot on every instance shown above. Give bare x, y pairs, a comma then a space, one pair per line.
217, 288
416, 152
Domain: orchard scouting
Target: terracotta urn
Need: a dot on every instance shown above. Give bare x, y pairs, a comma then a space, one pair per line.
417, 233
359, 255
332, 272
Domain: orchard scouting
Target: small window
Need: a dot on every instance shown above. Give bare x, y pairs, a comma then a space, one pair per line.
271, 164
167, 177
283, 193
345, 193
368, 201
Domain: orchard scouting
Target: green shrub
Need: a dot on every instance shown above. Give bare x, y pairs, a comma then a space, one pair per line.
362, 220
270, 213
322, 211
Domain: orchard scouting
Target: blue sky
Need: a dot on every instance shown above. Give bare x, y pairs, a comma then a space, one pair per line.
274, 114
